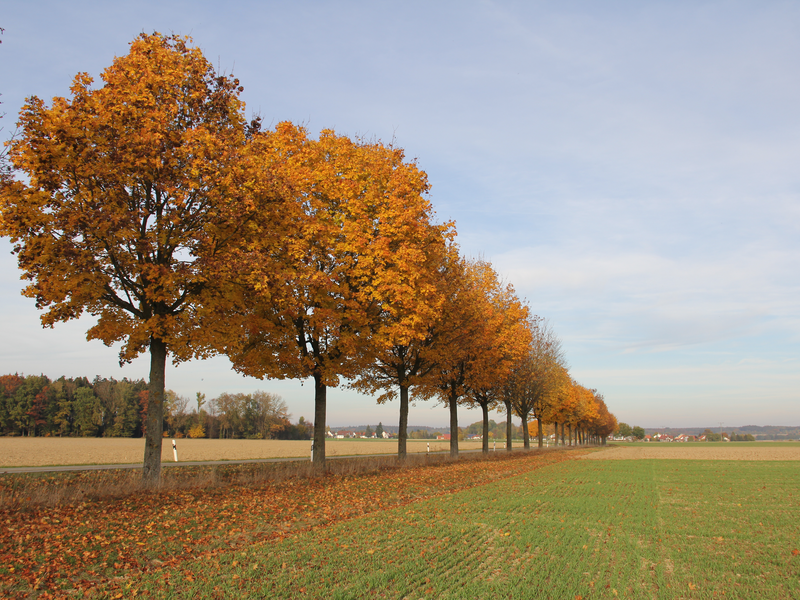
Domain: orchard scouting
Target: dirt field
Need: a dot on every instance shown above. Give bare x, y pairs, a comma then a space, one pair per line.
711, 452
39, 451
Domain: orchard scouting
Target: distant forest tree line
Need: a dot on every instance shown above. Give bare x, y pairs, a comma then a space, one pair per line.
34, 405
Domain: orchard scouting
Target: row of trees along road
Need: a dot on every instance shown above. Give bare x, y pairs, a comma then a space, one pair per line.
152, 204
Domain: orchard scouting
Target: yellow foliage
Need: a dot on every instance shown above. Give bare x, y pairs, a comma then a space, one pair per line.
197, 431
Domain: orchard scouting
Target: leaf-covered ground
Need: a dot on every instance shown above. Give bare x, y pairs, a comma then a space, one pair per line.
56, 552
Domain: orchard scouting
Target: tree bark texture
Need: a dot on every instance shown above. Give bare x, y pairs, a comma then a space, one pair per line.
540, 433
509, 425
526, 436
320, 401
402, 434
485, 444
151, 467
453, 426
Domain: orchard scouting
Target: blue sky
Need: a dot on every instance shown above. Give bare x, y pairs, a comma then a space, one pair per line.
630, 167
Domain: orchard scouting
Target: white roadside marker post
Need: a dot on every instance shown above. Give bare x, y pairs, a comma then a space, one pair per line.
494, 446
429, 447
312, 451
175, 450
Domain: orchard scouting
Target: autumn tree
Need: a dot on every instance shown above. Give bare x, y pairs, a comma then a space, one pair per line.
605, 422
553, 384
457, 343
405, 354
124, 193
534, 379
357, 231
517, 395
584, 413
500, 339
562, 404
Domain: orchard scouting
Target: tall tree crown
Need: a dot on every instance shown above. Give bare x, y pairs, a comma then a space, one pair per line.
126, 191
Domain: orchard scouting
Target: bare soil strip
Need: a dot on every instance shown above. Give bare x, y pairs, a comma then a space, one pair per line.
42, 451
732, 451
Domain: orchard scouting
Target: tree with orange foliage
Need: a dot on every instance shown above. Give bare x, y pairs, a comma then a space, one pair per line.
412, 357
345, 277
565, 403
460, 338
124, 195
531, 387
583, 414
602, 423
501, 339
557, 382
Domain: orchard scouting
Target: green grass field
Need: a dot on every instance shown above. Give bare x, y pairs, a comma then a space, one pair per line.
578, 529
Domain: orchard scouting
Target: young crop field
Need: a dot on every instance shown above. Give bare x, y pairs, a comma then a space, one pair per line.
580, 529
528, 526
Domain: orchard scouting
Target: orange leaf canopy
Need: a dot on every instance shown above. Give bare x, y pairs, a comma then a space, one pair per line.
356, 235
126, 194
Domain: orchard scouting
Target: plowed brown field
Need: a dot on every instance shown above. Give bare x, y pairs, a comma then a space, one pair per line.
41, 451
731, 451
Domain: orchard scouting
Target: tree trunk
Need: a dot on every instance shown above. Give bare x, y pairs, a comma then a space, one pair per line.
526, 436
485, 444
540, 433
402, 432
151, 471
509, 425
569, 433
320, 399
562, 434
453, 425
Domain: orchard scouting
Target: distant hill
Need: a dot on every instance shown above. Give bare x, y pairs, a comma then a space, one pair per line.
768, 432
